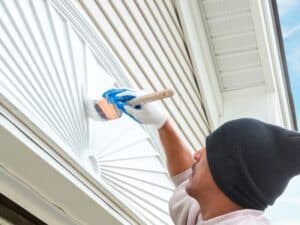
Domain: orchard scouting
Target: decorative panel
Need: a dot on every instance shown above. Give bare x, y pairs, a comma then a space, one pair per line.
42, 70
147, 38
51, 61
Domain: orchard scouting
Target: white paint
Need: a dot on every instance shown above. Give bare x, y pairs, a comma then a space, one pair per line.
48, 182
98, 80
30, 200
249, 102
271, 60
148, 42
255, 102
44, 84
249, 71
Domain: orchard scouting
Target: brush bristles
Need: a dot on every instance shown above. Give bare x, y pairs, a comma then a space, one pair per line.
93, 110
101, 110
109, 110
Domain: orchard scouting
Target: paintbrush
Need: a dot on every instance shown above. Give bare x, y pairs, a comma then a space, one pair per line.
101, 110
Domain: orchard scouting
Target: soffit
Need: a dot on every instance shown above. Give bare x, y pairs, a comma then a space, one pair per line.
231, 34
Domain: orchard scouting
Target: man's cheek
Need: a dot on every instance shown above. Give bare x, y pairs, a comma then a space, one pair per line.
188, 187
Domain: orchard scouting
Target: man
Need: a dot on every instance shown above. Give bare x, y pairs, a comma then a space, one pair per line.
245, 166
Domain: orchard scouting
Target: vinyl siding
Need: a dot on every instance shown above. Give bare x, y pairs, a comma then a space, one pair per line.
147, 39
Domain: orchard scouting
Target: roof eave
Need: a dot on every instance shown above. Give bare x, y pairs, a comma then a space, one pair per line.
278, 31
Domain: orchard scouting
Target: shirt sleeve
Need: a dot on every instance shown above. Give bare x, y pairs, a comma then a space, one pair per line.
184, 210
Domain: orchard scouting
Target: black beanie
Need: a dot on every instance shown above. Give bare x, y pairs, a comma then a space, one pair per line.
252, 161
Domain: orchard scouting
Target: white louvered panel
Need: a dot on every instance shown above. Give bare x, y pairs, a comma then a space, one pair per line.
161, 194
40, 67
145, 37
169, 60
239, 60
110, 34
228, 44
242, 78
162, 35
48, 67
132, 167
142, 207
234, 24
216, 8
141, 51
147, 177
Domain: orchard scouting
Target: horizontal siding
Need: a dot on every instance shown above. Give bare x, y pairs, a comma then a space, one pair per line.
148, 41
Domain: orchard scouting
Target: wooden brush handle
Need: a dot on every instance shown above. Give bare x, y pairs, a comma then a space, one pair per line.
158, 95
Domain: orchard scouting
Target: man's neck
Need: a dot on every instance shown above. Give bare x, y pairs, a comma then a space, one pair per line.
217, 206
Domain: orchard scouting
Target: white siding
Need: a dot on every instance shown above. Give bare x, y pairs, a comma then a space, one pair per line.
52, 61
148, 41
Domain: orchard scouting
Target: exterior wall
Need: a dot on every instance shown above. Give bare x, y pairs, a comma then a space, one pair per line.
40, 183
147, 39
236, 51
53, 58
55, 55
254, 102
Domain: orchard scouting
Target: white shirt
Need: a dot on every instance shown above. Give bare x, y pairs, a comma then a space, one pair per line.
185, 210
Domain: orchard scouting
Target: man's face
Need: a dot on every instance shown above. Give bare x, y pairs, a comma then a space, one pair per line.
201, 181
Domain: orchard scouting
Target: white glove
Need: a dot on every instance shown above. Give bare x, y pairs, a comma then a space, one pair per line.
148, 113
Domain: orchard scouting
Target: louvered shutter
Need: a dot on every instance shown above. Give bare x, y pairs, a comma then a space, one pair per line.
51, 61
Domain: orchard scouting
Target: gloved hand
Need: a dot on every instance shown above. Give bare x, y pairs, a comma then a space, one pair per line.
148, 113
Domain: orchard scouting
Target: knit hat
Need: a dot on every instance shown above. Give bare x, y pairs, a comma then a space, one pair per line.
252, 161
